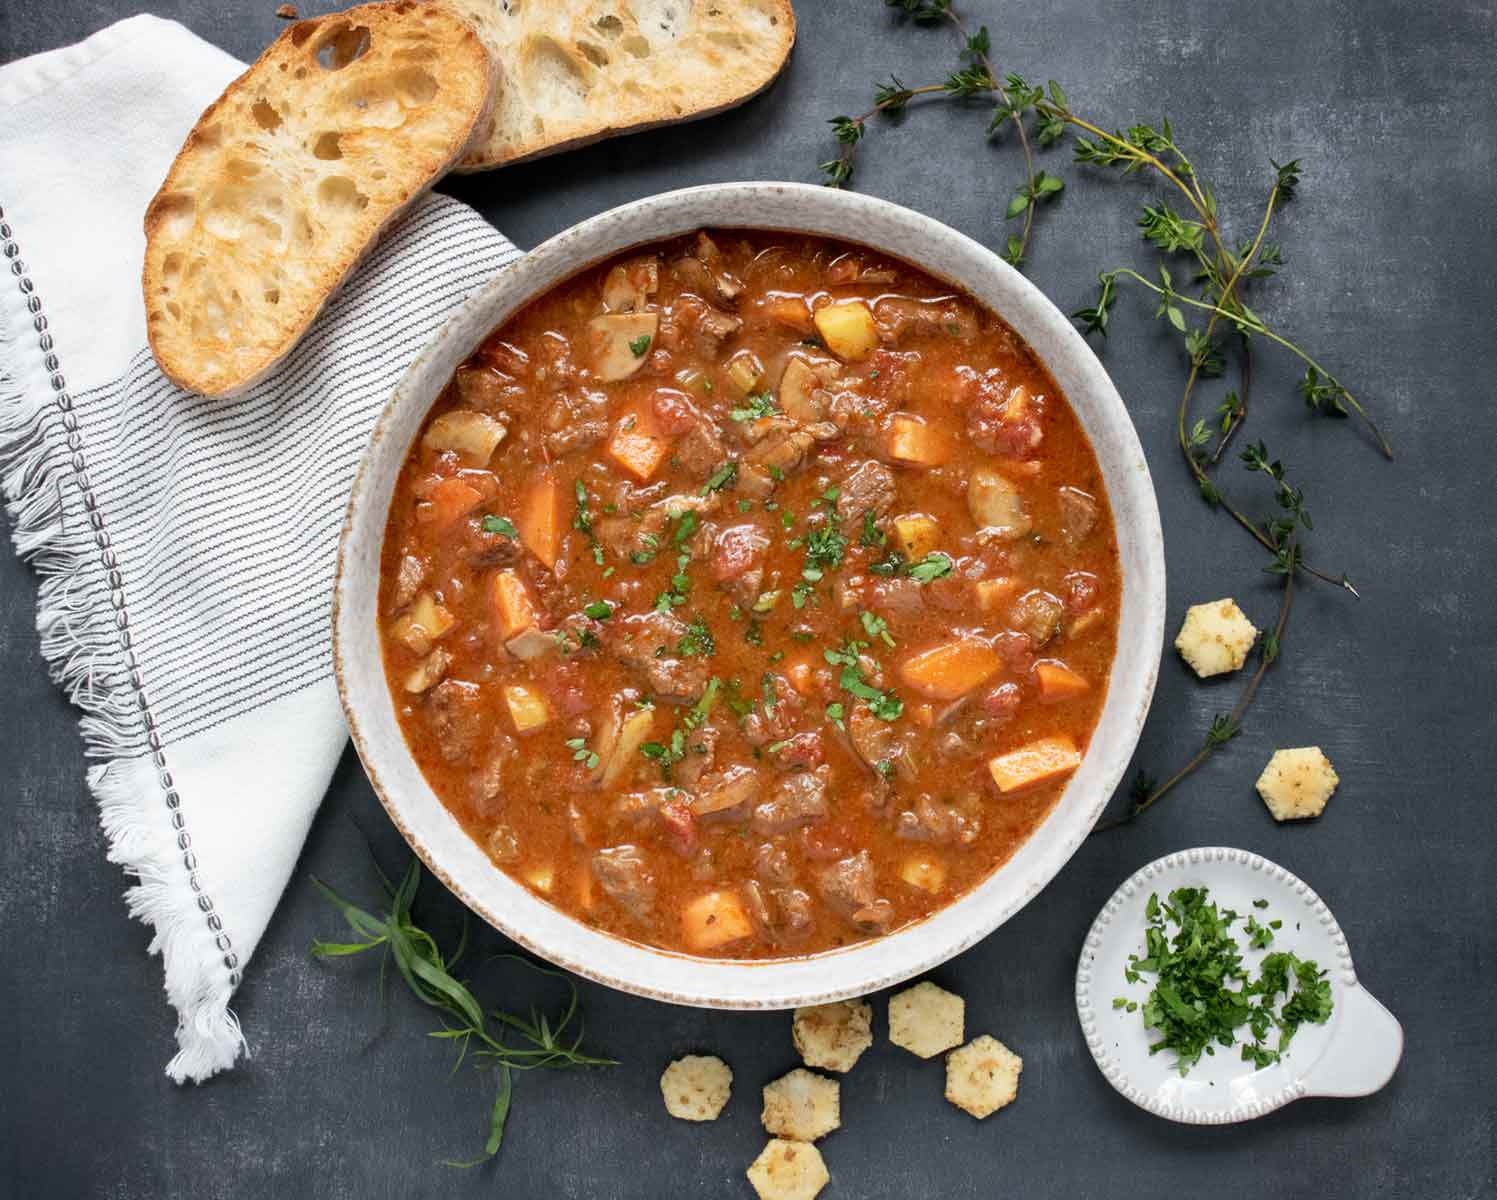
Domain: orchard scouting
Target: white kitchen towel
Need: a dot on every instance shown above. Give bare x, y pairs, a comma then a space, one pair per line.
185, 546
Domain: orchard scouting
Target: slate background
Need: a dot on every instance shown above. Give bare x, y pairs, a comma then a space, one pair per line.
1391, 270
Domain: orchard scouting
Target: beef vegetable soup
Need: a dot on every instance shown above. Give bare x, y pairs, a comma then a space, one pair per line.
749, 595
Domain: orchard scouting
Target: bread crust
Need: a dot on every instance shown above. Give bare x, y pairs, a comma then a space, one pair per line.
235, 268
726, 59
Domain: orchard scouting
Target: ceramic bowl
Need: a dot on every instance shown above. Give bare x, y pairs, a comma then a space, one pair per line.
1353, 1054
455, 859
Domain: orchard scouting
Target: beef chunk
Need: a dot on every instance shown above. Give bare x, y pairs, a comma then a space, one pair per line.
773, 723
700, 451
576, 421
868, 489
622, 873
849, 886
452, 714
932, 820
701, 750
409, 577
726, 794
782, 450
798, 800
646, 644
1078, 514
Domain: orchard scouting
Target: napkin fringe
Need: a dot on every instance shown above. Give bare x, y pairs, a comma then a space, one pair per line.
80, 643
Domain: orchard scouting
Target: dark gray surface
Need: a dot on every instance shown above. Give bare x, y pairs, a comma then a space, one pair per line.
1391, 277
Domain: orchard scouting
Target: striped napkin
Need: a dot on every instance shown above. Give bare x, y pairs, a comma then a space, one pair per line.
185, 546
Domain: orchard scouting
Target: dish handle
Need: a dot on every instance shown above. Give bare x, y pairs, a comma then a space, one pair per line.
1364, 1052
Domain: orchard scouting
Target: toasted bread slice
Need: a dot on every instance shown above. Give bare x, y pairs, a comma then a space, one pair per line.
289, 176
579, 70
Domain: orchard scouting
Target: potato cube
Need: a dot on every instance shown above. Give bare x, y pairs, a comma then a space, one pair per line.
619, 343
696, 1087
915, 536
926, 1019
539, 520
1058, 682
423, 624
910, 441
474, 435
714, 920
833, 1036
1297, 783
925, 872
527, 707
994, 594
1039, 762
788, 1171
982, 1076
1216, 637
847, 328
1017, 406
638, 444
514, 610
802, 1106
951, 670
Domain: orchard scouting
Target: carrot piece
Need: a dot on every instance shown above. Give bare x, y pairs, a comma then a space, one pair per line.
449, 502
789, 310
951, 670
539, 520
912, 441
1059, 682
514, 610
638, 444
1040, 761
715, 919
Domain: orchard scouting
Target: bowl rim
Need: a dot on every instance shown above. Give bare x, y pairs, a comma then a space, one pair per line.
861, 967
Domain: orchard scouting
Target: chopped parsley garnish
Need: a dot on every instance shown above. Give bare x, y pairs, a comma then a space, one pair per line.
754, 407
835, 712
876, 627
580, 752
583, 521
697, 641
934, 565
666, 756
888, 567
886, 706
776, 474
724, 477
638, 346
745, 505
493, 524
753, 634
702, 709
872, 534
1193, 1008
598, 610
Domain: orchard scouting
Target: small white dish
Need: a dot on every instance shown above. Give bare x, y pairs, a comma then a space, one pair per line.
1353, 1054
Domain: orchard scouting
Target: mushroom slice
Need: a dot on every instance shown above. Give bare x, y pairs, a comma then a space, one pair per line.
630, 284
618, 343
474, 435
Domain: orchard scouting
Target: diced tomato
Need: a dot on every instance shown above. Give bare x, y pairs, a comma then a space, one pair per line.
1082, 591
673, 413
680, 825
800, 752
1016, 652
737, 550
1000, 703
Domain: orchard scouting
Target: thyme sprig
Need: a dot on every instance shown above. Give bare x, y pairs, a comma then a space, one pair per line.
1207, 310
477, 1033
